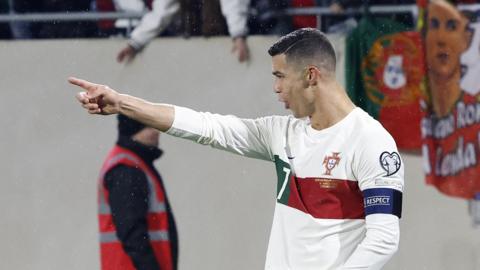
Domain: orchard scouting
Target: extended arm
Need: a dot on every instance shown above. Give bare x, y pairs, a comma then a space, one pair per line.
156, 115
247, 137
101, 99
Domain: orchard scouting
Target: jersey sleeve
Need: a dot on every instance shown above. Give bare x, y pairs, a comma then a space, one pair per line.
378, 168
246, 137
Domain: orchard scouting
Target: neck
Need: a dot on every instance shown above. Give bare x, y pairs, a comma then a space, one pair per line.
331, 105
445, 93
146, 137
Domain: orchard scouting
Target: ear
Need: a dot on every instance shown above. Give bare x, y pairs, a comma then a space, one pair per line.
312, 75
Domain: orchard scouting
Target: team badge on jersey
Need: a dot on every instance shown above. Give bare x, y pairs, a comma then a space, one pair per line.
331, 162
390, 162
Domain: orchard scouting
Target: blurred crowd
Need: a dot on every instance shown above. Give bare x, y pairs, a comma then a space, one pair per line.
178, 17
236, 18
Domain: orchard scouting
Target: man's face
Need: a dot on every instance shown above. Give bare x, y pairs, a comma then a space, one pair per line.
290, 84
446, 39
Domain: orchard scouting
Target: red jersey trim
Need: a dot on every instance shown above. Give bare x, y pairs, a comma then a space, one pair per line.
326, 198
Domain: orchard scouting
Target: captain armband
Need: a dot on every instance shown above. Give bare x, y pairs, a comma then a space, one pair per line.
382, 201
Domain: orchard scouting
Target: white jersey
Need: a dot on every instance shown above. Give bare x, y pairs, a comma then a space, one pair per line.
339, 189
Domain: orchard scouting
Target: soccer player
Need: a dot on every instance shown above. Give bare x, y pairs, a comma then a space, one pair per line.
340, 177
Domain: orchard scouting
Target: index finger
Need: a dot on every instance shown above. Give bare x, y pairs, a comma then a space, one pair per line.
82, 83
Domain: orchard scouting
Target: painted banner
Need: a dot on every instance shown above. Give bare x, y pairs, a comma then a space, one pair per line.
385, 72
450, 126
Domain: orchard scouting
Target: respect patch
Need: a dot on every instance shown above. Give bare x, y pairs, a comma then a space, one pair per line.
382, 201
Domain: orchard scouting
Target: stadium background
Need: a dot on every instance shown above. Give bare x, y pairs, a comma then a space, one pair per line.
51, 152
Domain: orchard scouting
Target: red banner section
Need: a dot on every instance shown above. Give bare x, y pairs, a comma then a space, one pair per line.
451, 122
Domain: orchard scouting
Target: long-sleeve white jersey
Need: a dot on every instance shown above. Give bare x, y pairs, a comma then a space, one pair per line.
163, 11
339, 190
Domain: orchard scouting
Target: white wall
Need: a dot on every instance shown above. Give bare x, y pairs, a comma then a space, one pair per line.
51, 151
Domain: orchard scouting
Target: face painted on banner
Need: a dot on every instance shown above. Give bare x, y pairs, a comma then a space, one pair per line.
446, 39
452, 132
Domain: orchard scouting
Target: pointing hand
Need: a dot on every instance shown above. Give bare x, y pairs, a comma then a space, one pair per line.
97, 98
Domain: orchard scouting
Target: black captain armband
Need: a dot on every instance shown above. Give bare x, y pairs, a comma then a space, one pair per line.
382, 201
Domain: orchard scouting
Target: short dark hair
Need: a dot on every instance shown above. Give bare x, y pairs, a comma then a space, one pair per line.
307, 45
128, 127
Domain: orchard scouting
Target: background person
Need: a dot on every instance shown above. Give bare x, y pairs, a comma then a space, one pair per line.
137, 228
163, 12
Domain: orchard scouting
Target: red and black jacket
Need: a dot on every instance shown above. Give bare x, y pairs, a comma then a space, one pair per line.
137, 229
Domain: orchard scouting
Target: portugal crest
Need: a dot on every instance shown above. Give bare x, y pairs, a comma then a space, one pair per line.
394, 69
331, 162
393, 74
